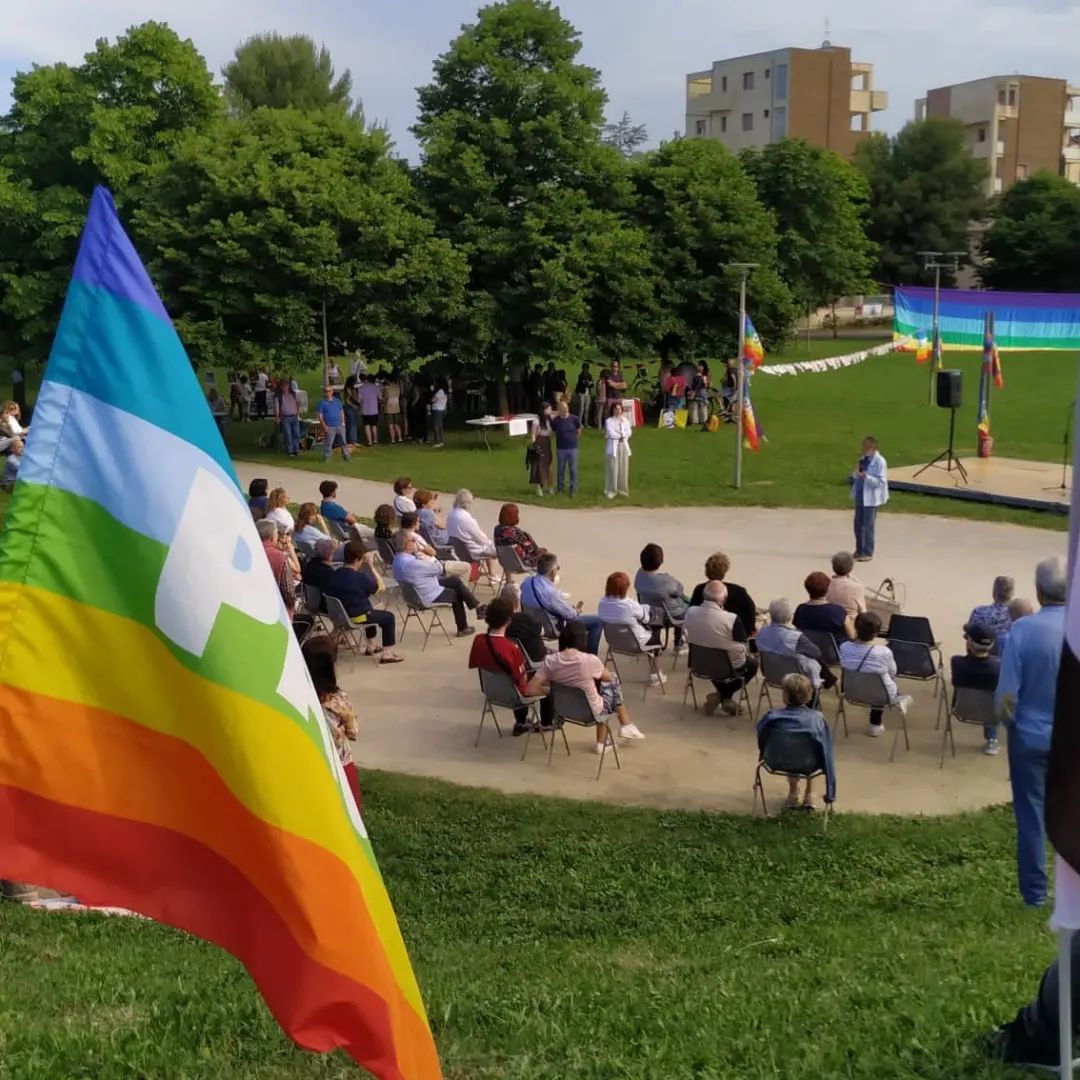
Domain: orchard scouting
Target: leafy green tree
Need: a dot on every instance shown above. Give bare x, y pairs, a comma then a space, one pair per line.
263, 217
1034, 237
518, 180
819, 201
702, 212
625, 136
925, 191
115, 119
285, 72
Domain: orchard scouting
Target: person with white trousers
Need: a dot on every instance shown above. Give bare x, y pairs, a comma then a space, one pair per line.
617, 432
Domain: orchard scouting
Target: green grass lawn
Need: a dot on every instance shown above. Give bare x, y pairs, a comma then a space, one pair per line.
813, 424
557, 940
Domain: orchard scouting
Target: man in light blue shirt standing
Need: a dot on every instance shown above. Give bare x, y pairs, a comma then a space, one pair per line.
1025, 701
869, 490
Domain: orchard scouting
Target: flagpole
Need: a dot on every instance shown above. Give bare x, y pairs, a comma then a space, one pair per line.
1065, 1031
933, 260
740, 376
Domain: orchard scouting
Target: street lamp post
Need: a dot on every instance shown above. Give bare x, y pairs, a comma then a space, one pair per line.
325, 346
938, 261
740, 378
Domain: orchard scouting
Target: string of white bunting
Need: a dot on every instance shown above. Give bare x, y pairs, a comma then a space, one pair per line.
828, 363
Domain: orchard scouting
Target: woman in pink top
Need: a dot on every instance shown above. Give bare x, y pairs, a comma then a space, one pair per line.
573, 665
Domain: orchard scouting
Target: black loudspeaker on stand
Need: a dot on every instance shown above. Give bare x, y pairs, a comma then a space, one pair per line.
949, 395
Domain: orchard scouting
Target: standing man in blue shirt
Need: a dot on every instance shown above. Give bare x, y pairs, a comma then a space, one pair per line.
331, 415
1025, 701
567, 428
869, 490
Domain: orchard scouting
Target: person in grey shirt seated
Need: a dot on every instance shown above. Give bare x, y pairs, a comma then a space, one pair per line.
780, 637
661, 592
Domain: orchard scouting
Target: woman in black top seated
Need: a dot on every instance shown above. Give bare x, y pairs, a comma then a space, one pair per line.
818, 614
739, 602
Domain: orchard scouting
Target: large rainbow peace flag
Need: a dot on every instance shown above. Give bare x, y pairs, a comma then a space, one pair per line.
161, 745
1021, 320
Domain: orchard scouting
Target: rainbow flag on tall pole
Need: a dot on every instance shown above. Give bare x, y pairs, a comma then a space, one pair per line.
752, 358
161, 745
753, 351
989, 373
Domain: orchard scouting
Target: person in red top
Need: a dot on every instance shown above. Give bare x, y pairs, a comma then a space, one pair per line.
280, 564
495, 652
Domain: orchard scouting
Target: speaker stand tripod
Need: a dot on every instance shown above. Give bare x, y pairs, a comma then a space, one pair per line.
947, 459
1064, 486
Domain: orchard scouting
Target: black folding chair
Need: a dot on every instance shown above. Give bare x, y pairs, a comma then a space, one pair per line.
774, 669
442, 552
501, 693
571, 706
712, 665
867, 690
968, 706
790, 753
622, 641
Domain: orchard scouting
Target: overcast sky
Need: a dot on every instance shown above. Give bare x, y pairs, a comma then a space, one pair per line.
643, 48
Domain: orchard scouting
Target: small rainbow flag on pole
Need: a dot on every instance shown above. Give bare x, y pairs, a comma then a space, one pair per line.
990, 371
161, 745
753, 351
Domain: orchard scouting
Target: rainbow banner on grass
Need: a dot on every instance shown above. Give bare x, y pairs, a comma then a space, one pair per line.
161, 745
1021, 320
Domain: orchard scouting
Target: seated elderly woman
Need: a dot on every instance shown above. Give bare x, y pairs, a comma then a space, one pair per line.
572, 665
385, 522
782, 638
508, 533
996, 615
659, 591
431, 517
617, 607
461, 525
818, 614
738, 601
863, 655
807, 756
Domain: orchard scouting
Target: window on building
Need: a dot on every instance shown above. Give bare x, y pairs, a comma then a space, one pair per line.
981, 135
748, 121
766, 114
723, 124
766, 73
723, 83
1012, 95
748, 80
779, 122
700, 127
1001, 96
1021, 172
779, 84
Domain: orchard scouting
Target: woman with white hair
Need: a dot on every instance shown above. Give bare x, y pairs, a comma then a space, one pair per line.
461, 525
996, 615
781, 638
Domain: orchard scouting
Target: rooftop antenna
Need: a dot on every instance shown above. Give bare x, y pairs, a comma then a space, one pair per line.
826, 44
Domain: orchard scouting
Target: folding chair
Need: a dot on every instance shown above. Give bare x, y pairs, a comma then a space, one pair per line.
501, 693
571, 706
867, 690
671, 620
511, 563
345, 630
916, 629
441, 550
304, 624
713, 665
461, 553
830, 658
313, 604
304, 549
386, 552
622, 641
969, 706
915, 660
415, 607
774, 668
790, 753
339, 530
547, 626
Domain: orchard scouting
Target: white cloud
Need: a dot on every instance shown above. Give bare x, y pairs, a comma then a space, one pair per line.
642, 48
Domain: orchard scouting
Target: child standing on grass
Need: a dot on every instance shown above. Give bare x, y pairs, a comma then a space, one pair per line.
321, 656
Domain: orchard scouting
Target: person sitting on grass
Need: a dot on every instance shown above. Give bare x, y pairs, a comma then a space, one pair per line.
403, 495
713, 626
434, 586
798, 717
978, 669
661, 592
354, 584
332, 510
616, 606
845, 590
574, 665
320, 653
508, 533
863, 655
817, 613
493, 651
783, 639
739, 601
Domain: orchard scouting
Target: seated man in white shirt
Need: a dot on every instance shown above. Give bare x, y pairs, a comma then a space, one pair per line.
863, 655
711, 626
461, 525
433, 586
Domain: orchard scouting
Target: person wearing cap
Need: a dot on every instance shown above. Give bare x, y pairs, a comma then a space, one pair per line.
978, 669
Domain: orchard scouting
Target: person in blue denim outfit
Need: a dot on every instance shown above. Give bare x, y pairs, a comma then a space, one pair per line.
1025, 702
